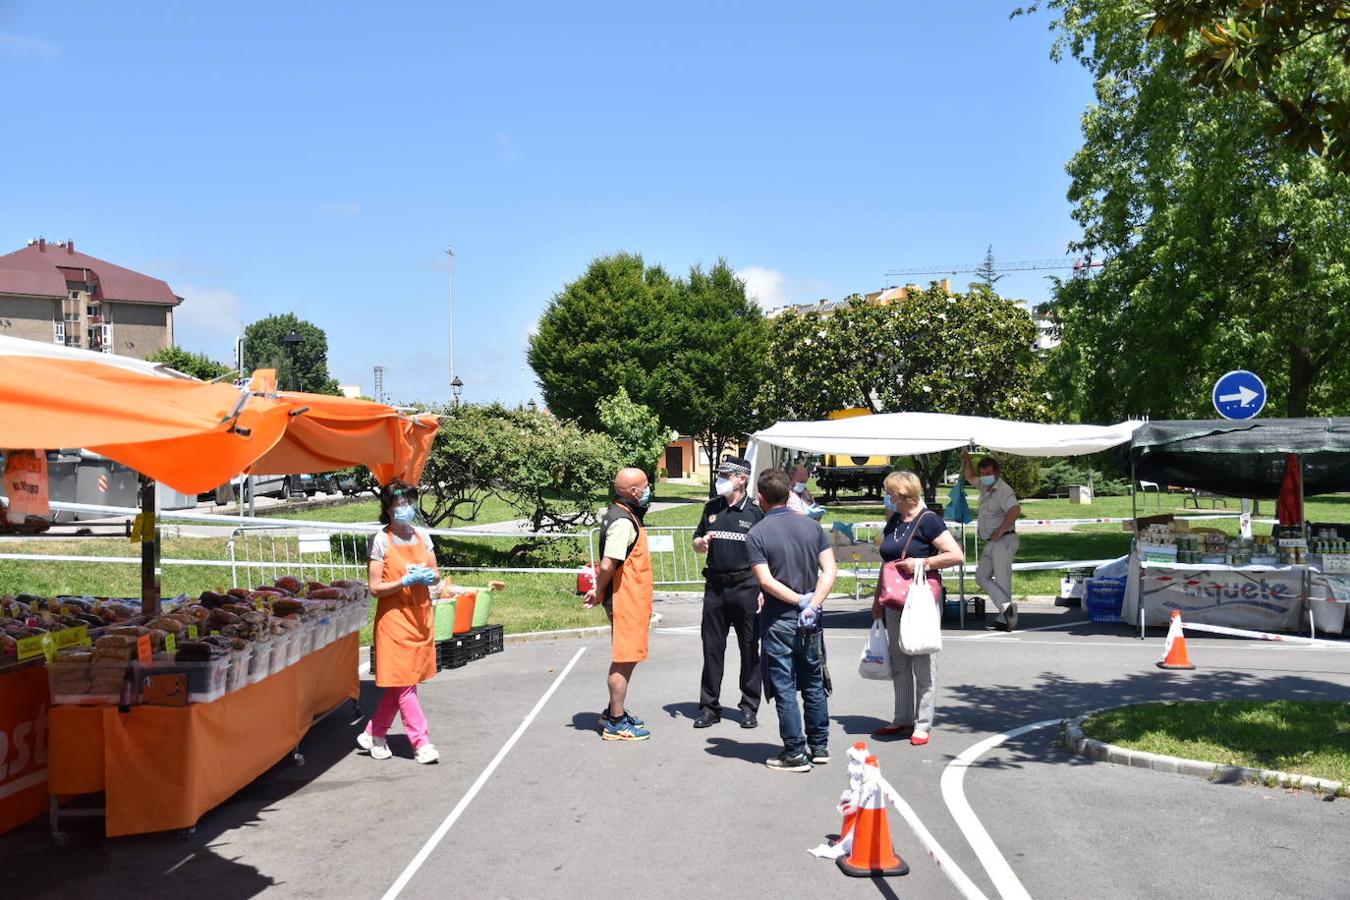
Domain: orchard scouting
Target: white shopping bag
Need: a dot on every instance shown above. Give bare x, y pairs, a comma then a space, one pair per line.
920, 624
875, 663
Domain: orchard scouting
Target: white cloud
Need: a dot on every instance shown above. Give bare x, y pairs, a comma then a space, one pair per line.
28, 47
767, 287
338, 209
771, 288
208, 321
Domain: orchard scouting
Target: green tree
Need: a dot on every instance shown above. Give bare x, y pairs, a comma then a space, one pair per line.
690, 350
987, 273
1223, 247
636, 430
1293, 55
264, 349
550, 471
931, 351
710, 381
198, 365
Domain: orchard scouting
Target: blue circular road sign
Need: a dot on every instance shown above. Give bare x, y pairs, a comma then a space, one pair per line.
1239, 395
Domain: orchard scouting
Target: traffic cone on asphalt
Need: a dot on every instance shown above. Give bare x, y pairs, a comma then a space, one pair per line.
857, 757
872, 853
1174, 651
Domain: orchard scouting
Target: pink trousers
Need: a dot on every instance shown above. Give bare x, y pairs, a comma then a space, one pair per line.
401, 700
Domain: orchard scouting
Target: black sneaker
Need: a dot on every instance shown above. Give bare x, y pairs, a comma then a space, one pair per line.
786, 762
749, 720
819, 756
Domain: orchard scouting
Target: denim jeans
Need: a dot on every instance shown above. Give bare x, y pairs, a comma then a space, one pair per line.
792, 662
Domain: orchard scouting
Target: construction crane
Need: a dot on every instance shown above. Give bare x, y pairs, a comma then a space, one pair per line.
1024, 265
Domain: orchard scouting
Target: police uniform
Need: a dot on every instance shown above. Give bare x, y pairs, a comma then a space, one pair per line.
730, 599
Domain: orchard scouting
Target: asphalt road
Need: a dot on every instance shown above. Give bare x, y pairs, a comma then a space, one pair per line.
559, 813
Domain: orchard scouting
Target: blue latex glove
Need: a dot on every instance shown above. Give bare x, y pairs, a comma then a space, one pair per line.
411, 577
805, 600
808, 617
815, 512
428, 575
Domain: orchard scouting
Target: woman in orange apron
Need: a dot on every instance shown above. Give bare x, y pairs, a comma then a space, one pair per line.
403, 576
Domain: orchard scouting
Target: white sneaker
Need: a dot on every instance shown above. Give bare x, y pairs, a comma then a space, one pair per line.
427, 754
377, 747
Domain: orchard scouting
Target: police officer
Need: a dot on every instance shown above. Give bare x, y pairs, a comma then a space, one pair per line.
731, 594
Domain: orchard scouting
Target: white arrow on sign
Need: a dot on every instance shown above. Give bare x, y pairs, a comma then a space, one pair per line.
1244, 396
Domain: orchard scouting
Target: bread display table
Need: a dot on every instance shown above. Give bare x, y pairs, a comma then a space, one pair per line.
162, 768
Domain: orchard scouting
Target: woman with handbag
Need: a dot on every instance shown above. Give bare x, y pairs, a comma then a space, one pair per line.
913, 532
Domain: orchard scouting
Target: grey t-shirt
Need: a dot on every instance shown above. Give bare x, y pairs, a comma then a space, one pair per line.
791, 546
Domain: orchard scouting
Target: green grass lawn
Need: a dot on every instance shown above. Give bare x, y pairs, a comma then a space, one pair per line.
1298, 736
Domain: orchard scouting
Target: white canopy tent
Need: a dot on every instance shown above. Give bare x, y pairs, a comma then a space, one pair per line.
905, 434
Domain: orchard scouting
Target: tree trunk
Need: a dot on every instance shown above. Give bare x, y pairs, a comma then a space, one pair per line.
1302, 373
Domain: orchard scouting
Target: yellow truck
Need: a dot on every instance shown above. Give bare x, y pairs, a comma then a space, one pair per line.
856, 474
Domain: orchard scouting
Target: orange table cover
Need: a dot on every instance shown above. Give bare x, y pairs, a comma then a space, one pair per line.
164, 767
23, 746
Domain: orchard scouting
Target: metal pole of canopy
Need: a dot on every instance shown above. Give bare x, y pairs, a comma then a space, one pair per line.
1134, 549
149, 533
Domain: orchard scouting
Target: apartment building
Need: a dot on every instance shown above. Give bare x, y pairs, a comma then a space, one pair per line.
51, 292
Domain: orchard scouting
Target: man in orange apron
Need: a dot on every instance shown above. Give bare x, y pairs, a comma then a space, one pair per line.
623, 583
403, 576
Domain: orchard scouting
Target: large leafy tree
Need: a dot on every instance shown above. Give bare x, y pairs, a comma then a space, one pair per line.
198, 365
551, 472
930, 351
1223, 246
710, 381
305, 368
692, 350
1291, 53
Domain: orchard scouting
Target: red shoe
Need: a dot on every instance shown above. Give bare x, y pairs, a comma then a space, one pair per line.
894, 731
919, 741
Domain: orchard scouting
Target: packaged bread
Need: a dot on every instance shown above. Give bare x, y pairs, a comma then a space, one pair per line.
170, 624
287, 607
290, 584
220, 617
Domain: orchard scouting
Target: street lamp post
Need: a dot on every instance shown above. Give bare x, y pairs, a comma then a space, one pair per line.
293, 339
456, 388
531, 405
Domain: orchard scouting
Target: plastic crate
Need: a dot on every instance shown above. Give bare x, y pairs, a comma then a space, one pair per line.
1103, 599
496, 638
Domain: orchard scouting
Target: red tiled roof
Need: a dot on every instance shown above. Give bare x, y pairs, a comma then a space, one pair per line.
38, 272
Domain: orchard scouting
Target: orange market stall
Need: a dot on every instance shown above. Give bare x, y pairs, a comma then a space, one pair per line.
192, 436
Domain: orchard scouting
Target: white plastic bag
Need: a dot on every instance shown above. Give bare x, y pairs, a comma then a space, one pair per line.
875, 663
920, 624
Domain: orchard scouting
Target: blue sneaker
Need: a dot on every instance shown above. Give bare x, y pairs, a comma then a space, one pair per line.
604, 714
623, 728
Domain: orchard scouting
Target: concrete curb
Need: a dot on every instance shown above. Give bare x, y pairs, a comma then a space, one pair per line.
1073, 738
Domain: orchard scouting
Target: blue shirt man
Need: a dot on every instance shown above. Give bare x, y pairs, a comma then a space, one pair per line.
791, 558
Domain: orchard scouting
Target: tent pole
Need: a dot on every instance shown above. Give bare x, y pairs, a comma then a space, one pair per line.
963, 572
149, 533
1134, 547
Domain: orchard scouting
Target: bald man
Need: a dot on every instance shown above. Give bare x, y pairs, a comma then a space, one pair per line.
623, 583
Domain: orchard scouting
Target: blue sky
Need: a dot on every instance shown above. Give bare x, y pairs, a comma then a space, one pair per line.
319, 157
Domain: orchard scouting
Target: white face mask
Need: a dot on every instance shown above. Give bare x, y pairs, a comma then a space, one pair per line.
799, 487
724, 487
988, 480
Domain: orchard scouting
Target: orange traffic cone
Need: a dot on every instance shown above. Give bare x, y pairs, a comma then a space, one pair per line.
872, 853
1174, 651
857, 756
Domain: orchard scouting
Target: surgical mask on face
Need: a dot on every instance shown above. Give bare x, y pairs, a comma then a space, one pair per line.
890, 505
799, 486
404, 515
988, 480
645, 497
724, 486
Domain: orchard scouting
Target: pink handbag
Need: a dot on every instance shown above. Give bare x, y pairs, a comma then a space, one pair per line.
894, 586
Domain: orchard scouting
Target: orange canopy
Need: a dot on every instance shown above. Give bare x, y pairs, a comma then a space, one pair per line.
192, 435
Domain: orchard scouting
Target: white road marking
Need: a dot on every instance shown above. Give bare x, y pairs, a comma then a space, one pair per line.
953, 793
179, 864
439, 834
1001, 634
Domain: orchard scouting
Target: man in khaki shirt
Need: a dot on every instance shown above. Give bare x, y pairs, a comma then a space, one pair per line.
999, 511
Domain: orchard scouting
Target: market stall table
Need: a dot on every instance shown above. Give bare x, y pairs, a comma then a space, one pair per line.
162, 768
